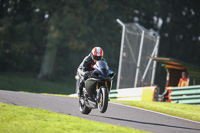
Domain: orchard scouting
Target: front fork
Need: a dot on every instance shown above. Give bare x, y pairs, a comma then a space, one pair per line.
99, 90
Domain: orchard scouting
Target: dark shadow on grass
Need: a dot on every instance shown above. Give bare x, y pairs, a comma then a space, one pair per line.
147, 123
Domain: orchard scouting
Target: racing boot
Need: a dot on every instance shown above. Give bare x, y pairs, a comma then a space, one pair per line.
80, 89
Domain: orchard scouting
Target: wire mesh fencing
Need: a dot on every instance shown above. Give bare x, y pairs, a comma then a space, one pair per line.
135, 68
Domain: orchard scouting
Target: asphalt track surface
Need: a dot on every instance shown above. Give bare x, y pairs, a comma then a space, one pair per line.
115, 114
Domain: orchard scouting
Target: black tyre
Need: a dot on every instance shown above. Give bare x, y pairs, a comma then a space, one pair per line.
83, 109
103, 102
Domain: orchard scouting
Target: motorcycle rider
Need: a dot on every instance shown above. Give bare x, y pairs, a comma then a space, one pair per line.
86, 66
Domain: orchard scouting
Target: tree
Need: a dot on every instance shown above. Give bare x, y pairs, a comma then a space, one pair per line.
39, 36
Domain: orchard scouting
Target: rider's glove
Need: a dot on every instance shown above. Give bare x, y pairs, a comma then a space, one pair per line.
87, 74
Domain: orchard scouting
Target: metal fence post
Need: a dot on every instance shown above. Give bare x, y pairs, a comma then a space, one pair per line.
121, 51
139, 56
154, 54
154, 63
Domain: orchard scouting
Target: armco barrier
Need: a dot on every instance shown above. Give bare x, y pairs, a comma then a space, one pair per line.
187, 95
136, 94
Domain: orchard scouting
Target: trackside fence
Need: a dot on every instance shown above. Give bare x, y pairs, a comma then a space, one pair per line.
185, 95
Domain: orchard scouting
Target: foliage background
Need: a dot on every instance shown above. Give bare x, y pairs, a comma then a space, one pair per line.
31, 29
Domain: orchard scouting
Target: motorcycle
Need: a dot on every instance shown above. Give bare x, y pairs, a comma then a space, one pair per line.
97, 88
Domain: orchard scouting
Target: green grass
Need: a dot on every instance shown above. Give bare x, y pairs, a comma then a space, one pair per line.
29, 83
191, 112
19, 119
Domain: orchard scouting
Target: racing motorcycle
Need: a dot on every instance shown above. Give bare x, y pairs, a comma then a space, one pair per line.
97, 88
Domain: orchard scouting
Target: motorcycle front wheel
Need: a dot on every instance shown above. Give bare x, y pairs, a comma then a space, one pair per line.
103, 101
83, 108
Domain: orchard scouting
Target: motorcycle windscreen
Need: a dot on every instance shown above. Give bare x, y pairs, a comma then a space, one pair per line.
102, 65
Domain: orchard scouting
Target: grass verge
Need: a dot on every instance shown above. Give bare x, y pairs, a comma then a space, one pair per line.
24, 119
191, 112
29, 83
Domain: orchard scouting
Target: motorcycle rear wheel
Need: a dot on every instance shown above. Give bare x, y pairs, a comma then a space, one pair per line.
83, 108
103, 102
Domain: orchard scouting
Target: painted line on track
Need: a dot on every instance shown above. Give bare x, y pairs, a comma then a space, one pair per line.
155, 112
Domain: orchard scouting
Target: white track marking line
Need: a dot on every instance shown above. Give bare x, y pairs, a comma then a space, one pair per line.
155, 112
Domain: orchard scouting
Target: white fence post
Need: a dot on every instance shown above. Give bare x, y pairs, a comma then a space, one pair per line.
154, 54
154, 63
139, 56
121, 51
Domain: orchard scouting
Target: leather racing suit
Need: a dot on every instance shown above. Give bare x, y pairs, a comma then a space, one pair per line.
84, 69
